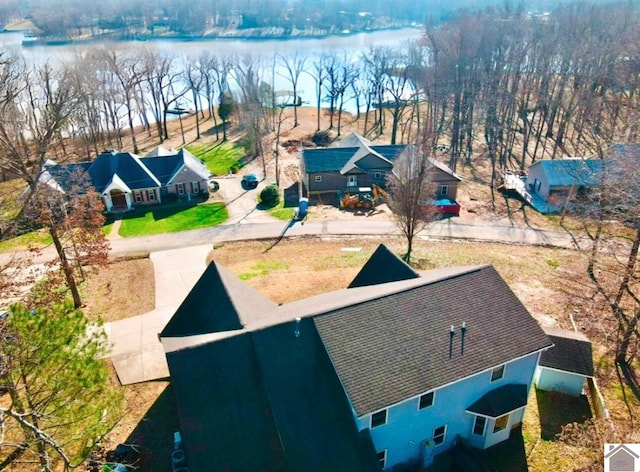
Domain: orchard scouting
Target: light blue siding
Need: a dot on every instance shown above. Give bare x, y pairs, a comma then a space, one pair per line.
559, 381
408, 429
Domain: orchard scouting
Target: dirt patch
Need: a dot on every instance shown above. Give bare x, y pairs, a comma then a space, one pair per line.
122, 289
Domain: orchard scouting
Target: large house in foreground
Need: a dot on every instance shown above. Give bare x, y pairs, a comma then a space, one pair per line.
125, 180
394, 369
357, 162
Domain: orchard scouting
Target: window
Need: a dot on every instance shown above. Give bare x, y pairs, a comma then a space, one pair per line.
501, 423
378, 176
382, 458
195, 187
444, 190
180, 188
138, 196
426, 400
478, 425
318, 178
379, 418
439, 434
497, 373
151, 195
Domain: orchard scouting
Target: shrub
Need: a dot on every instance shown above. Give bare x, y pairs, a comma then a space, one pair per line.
270, 196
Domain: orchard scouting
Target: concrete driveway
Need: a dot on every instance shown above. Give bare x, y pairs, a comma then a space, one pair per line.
137, 354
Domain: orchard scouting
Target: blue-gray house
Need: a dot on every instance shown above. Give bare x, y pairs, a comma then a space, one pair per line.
392, 370
125, 180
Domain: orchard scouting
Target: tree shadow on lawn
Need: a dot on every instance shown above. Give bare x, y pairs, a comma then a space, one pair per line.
154, 433
557, 409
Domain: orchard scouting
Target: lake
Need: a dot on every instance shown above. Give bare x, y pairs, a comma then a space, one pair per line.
264, 50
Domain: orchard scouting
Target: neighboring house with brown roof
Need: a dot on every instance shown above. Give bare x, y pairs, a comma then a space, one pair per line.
357, 162
392, 370
125, 180
565, 366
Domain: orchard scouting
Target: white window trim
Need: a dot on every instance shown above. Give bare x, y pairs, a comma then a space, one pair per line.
181, 189
433, 400
137, 196
317, 179
506, 426
383, 462
378, 175
386, 418
444, 435
484, 427
504, 371
444, 190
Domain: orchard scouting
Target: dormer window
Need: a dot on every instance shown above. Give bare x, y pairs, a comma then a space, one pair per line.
379, 418
497, 373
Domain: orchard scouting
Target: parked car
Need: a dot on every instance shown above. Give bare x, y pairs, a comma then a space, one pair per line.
249, 181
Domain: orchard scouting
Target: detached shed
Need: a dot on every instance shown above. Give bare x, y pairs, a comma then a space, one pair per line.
565, 366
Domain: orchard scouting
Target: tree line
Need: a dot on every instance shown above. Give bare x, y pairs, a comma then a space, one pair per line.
71, 18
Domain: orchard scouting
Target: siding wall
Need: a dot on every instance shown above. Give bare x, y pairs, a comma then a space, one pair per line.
407, 427
558, 381
186, 176
535, 172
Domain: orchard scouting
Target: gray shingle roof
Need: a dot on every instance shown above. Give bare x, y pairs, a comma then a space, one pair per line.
571, 352
382, 267
397, 346
266, 401
218, 302
163, 167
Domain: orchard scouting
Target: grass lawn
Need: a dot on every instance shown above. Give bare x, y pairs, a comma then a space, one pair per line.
19, 243
219, 158
172, 219
281, 212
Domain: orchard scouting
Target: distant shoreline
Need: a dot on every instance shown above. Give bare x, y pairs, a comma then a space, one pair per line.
258, 37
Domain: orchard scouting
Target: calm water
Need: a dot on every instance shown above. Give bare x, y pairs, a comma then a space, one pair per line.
263, 50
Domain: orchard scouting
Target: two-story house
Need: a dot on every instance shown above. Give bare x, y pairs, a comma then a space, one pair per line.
357, 162
394, 369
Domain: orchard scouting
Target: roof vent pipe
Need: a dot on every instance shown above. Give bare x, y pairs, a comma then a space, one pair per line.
463, 330
452, 333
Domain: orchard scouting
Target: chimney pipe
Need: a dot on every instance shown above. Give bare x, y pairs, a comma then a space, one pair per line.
452, 333
463, 330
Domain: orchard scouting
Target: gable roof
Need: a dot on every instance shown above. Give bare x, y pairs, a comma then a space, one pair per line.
382, 267
129, 168
218, 302
397, 346
343, 156
571, 352
163, 167
276, 404
566, 172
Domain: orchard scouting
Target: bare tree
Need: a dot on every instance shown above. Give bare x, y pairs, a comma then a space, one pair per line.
127, 69
74, 221
294, 66
34, 112
411, 190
